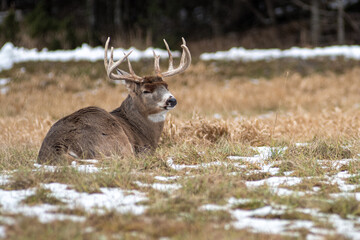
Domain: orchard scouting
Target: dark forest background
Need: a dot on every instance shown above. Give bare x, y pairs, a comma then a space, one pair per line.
209, 25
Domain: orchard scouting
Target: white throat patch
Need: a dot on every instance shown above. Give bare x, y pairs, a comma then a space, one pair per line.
158, 117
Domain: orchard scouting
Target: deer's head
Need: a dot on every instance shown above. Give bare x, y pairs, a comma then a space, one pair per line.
150, 94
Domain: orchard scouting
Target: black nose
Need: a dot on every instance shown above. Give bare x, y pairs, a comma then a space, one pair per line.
171, 101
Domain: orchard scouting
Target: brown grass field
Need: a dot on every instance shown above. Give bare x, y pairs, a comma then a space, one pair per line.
224, 109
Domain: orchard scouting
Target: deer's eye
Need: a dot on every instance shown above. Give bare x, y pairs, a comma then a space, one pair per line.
146, 92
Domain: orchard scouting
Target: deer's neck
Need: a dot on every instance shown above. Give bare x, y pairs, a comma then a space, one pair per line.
143, 133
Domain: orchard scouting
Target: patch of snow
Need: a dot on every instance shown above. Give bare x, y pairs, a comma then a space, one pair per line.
266, 115
268, 152
264, 153
85, 168
255, 81
45, 213
236, 157
7, 220
11, 199
164, 187
10, 202
246, 55
2, 232
301, 144
9, 54
268, 226
4, 81
212, 207
78, 167
166, 179
314, 237
4, 90
92, 161
45, 167
287, 192
255, 159
249, 219
275, 181
288, 173
337, 164
217, 116
178, 167
345, 227
346, 195
123, 201
339, 180
234, 201
4, 179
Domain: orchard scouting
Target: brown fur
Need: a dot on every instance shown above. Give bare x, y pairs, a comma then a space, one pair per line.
93, 132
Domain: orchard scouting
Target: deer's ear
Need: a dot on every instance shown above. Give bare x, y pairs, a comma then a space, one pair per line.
130, 85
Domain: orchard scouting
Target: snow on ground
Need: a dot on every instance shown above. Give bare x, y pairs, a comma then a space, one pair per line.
255, 220
248, 55
88, 168
123, 201
171, 164
166, 179
9, 54
164, 187
3, 84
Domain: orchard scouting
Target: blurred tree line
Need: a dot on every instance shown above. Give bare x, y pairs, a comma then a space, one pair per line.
217, 23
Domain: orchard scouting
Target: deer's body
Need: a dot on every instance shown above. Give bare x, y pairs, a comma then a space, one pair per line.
87, 133
134, 127
93, 132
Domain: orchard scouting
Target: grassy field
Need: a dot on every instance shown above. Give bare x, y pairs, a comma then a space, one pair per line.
265, 150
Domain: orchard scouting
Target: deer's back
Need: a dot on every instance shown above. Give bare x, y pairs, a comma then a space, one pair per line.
88, 133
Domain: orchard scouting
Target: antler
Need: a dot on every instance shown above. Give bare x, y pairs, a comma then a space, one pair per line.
111, 66
184, 62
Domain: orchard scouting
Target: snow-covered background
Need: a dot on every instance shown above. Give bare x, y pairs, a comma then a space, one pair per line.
10, 54
242, 54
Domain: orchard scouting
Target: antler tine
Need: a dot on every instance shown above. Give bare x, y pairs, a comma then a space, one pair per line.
184, 62
113, 66
171, 64
105, 53
132, 73
110, 66
157, 64
111, 61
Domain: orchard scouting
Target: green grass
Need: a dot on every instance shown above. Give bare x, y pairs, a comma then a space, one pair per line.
42, 196
16, 157
249, 205
344, 207
319, 149
289, 215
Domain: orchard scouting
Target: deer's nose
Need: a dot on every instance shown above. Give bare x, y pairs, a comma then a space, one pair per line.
171, 101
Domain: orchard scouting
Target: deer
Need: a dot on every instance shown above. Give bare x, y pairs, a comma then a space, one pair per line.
133, 128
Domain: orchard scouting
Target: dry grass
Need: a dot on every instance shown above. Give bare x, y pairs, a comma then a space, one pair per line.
318, 107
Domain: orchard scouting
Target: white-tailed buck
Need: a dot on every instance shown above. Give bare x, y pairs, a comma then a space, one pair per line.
134, 127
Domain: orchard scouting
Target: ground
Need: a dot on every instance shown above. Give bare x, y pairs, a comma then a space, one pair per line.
261, 150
